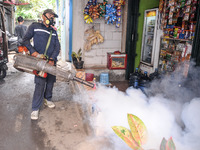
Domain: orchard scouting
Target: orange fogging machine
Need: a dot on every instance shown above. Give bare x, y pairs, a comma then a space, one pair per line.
27, 63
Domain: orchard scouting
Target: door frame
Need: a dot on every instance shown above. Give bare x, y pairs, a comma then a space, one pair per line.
132, 35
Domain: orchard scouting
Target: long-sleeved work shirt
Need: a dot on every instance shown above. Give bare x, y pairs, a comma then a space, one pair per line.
40, 34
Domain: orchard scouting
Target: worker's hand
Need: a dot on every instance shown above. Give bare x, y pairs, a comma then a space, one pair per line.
51, 62
34, 54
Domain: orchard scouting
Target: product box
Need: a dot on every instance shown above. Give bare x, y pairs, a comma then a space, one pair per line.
116, 60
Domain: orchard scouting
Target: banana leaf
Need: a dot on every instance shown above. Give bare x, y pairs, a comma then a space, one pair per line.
163, 144
170, 144
138, 129
126, 136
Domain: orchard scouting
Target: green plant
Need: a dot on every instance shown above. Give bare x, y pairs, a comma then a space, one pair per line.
137, 135
77, 55
34, 9
167, 145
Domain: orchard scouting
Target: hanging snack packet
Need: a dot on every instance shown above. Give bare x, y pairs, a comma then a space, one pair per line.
186, 17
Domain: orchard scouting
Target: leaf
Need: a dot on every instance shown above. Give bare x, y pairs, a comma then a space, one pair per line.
163, 144
138, 129
126, 136
170, 144
74, 54
79, 53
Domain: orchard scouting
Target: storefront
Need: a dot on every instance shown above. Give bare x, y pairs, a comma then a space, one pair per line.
169, 37
94, 57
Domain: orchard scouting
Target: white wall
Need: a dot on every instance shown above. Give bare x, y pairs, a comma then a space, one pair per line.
78, 25
97, 56
64, 29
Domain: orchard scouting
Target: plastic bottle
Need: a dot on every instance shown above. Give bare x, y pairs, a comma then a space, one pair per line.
94, 82
154, 75
134, 79
136, 72
144, 81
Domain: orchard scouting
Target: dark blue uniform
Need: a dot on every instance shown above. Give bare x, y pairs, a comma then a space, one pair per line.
40, 34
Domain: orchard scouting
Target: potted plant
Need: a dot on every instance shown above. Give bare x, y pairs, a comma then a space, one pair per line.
77, 59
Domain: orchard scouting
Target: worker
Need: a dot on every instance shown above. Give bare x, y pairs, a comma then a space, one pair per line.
46, 45
40, 20
20, 29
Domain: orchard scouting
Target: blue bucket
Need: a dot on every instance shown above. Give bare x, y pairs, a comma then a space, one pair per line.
104, 78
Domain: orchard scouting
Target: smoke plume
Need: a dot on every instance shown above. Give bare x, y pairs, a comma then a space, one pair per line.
170, 109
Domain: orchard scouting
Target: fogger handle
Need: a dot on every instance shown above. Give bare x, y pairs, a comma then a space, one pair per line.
83, 82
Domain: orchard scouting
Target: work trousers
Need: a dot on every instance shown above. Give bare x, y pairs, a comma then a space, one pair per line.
43, 89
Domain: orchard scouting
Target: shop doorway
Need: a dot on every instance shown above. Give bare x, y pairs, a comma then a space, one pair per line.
132, 35
196, 44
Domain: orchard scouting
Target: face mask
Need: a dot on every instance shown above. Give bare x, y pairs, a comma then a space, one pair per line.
49, 21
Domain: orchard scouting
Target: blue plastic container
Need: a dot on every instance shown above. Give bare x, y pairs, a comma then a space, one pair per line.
104, 78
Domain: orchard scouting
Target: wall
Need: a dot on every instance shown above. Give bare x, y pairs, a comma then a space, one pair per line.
26, 22
64, 29
9, 17
78, 25
97, 56
144, 4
